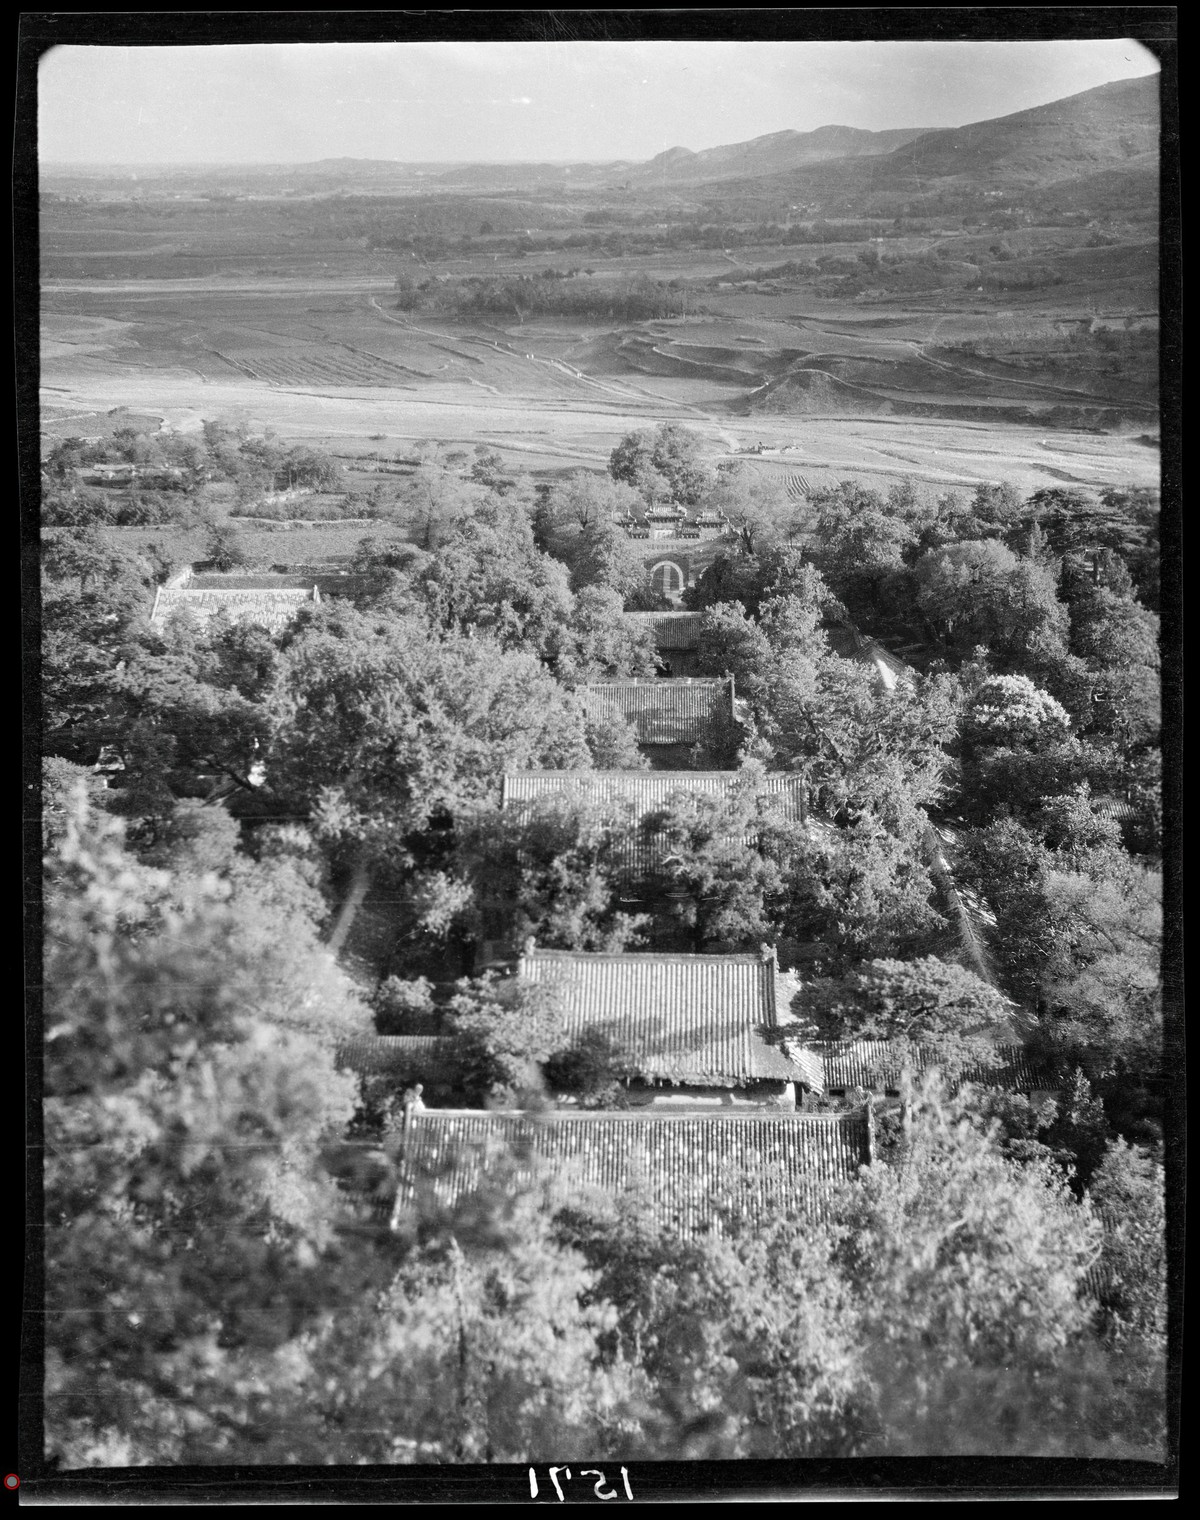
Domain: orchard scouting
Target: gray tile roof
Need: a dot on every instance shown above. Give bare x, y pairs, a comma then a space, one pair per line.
265, 580
874, 1064
847, 642
687, 1168
409, 1057
273, 610
661, 711
697, 1020
633, 795
1115, 808
671, 630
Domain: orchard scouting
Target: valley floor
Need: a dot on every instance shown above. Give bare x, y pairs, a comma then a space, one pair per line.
334, 366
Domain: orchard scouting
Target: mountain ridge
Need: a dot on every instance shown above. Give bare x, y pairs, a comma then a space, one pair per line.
1097, 119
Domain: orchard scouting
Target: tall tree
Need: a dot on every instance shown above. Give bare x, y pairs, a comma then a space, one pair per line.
754, 503
489, 574
436, 498
925, 1008
382, 726
190, 1089
733, 644
612, 743
576, 522
1128, 1191
504, 1031
599, 641
669, 461
95, 600
489, 1342
967, 1268
776, 569
1078, 938
860, 544
723, 865
548, 870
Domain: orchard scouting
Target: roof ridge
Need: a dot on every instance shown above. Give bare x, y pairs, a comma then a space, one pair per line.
629, 775
646, 1116
656, 682
646, 956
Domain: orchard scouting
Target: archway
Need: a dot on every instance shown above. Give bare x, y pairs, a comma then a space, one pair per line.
667, 577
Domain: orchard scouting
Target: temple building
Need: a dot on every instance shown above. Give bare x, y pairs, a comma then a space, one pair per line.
676, 639
669, 717
692, 1172
699, 1031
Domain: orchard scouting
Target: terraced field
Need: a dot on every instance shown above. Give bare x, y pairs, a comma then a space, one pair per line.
336, 365
330, 362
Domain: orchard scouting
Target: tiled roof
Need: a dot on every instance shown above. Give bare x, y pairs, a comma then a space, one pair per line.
1115, 808
873, 1064
846, 641
698, 1020
215, 580
662, 711
633, 795
271, 609
671, 630
410, 1057
688, 1168
810, 1064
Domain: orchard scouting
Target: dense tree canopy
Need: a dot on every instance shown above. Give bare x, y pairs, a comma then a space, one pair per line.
921, 1007
754, 504
723, 864
381, 725
549, 870
667, 462
242, 1269
189, 1079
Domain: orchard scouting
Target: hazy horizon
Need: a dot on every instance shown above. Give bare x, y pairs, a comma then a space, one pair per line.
508, 103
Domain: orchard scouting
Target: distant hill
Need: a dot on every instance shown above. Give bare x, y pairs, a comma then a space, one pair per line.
1098, 150
1099, 129
776, 152
1108, 136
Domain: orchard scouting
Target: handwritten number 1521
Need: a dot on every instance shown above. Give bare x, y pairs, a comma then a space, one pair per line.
600, 1489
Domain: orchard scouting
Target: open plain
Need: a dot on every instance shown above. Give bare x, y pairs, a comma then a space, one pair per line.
329, 361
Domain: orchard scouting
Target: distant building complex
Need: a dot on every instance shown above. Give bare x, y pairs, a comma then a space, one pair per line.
684, 546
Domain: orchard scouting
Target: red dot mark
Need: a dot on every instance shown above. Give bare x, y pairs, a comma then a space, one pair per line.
11, 1480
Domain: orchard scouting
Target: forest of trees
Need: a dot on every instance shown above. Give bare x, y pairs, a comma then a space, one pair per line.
302, 844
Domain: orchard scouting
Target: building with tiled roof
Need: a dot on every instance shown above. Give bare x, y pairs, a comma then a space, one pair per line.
846, 641
633, 796
272, 608
698, 1029
1117, 808
671, 630
332, 579
676, 638
874, 1066
666, 520
407, 1057
662, 712
686, 1169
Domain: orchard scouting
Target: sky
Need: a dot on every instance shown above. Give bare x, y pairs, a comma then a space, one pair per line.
530, 101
